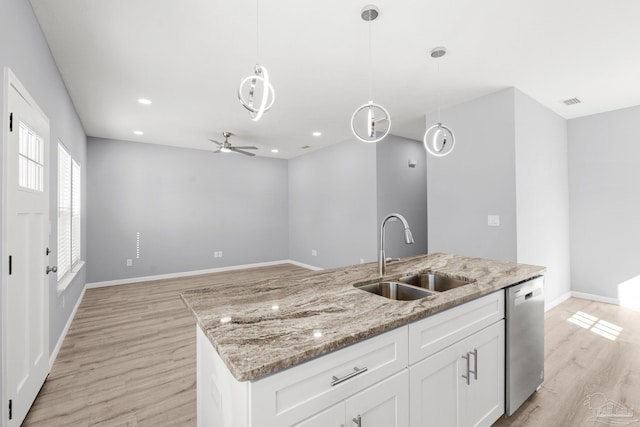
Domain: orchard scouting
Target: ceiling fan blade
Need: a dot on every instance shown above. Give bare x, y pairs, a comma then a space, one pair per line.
246, 153
246, 147
213, 140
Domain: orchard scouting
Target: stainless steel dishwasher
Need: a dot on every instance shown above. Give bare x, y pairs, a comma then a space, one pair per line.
525, 341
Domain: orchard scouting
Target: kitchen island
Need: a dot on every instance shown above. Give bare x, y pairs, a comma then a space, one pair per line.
257, 333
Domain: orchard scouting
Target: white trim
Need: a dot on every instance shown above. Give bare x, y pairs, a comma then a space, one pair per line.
195, 273
6, 79
593, 297
63, 335
303, 265
64, 283
562, 298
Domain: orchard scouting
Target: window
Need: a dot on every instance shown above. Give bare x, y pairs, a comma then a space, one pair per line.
30, 158
69, 175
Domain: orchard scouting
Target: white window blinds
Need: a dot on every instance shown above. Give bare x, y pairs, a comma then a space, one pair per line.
75, 212
69, 212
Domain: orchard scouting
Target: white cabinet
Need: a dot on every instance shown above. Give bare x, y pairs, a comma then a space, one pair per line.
332, 417
385, 404
461, 385
444, 370
318, 387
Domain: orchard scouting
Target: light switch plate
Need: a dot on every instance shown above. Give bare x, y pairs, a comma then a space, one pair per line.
493, 220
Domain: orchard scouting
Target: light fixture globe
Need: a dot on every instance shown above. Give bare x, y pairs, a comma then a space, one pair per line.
370, 122
439, 140
259, 85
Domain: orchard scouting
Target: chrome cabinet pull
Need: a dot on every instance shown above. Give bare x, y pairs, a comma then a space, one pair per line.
357, 420
467, 377
475, 364
355, 372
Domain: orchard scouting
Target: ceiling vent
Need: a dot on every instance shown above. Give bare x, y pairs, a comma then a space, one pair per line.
572, 101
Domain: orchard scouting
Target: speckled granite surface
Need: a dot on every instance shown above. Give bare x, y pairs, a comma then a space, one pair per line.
259, 328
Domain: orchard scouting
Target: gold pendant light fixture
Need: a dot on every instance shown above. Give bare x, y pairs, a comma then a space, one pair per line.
256, 93
439, 139
370, 122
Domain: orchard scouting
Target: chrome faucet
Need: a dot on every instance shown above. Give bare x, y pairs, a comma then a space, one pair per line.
408, 239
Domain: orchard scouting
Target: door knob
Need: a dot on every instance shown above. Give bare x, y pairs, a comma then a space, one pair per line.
53, 269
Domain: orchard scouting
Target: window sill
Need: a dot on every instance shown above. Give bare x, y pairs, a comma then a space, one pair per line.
64, 283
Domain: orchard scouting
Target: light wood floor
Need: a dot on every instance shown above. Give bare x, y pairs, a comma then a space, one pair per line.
129, 356
580, 363
129, 360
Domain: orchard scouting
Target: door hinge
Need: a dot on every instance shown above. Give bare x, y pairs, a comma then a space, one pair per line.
10, 409
11, 122
10, 264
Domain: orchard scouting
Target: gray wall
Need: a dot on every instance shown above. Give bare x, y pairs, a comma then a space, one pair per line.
186, 204
24, 50
403, 190
542, 193
604, 182
332, 205
477, 179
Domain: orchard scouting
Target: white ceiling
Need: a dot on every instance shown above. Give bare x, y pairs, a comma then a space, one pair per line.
188, 57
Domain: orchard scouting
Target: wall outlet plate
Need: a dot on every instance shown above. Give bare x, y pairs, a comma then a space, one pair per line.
493, 220
314, 252
129, 262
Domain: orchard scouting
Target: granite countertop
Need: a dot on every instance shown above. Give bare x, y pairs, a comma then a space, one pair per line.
259, 328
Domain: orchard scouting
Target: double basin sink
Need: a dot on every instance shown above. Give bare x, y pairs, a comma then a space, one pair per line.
413, 287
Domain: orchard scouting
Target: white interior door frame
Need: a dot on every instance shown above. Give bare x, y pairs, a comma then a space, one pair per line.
10, 81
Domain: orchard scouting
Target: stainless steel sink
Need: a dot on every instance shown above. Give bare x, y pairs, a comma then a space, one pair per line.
395, 290
433, 282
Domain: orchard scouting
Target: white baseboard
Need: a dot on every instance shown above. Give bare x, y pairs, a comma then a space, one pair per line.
562, 298
593, 297
195, 273
303, 265
56, 350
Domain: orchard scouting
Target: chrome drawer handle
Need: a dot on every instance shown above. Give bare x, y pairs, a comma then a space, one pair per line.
355, 372
475, 364
467, 377
357, 421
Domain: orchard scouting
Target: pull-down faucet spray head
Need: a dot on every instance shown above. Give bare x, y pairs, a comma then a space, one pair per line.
408, 239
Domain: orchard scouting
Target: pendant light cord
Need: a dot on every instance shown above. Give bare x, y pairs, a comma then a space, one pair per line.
257, 33
370, 62
439, 87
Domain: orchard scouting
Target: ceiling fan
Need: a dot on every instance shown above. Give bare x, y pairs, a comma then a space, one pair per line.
226, 147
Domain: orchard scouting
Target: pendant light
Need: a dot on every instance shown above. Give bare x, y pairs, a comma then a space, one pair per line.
256, 93
370, 122
439, 139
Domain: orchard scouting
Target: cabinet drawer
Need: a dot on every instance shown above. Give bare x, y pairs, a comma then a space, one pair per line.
441, 330
289, 396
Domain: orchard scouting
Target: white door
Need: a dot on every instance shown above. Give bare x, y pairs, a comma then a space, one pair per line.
435, 389
385, 404
485, 393
26, 306
332, 417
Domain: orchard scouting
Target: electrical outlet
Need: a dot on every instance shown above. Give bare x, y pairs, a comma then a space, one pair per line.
129, 262
314, 252
493, 220
217, 254
361, 260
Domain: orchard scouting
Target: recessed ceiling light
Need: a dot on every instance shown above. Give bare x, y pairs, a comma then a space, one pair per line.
316, 133
275, 150
138, 132
144, 101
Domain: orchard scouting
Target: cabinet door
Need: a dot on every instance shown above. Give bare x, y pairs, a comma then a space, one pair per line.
484, 401
385, 404
435, 389
332, 417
